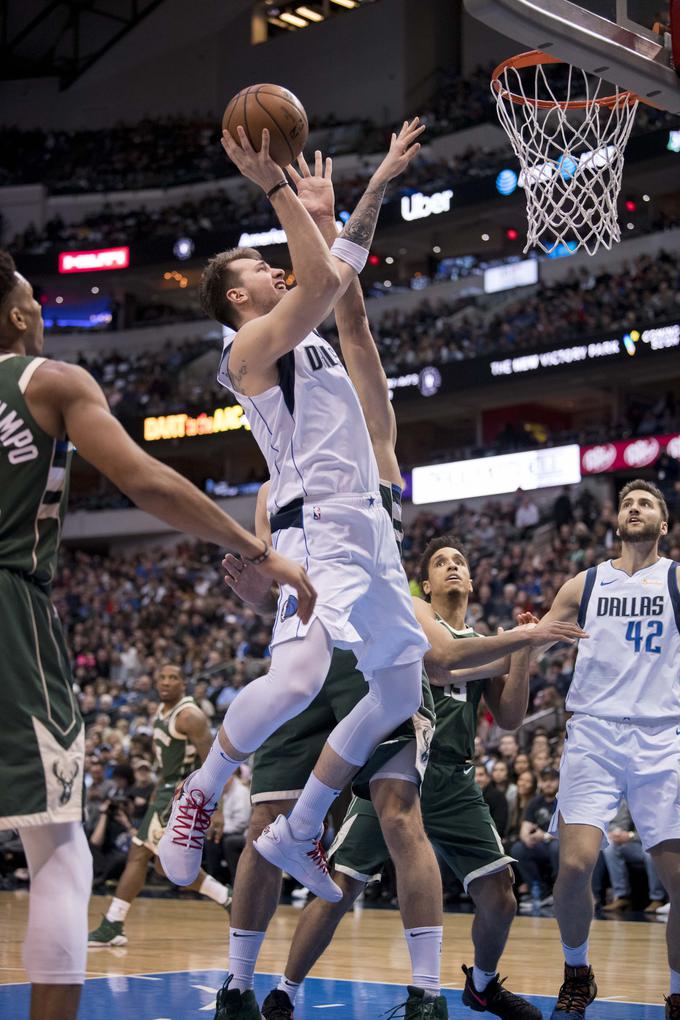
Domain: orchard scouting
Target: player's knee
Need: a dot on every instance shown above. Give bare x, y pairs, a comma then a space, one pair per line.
575, 868
493, 896
350, 887
401, 823
302, 689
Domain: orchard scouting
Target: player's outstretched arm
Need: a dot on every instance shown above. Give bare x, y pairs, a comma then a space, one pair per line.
453, 654
315, 191
101, 440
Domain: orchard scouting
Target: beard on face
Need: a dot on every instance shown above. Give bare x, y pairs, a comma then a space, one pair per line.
648, 533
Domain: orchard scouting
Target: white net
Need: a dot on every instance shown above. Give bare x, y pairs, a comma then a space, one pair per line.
571, 157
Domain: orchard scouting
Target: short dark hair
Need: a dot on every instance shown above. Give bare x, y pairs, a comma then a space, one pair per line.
8, 280
217, 278
432, 547
653, 490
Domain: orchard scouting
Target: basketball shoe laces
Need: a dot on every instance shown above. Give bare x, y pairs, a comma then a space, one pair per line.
193, 819
574, 994
426, 1009
318, 856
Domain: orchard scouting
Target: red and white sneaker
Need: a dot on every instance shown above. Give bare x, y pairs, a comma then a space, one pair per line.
304, 859
181, 847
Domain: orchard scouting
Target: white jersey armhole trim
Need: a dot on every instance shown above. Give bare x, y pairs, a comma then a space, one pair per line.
27, 374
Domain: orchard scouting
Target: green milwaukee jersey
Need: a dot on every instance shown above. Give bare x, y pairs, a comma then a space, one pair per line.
34, 470
456, 708
390, 493
175, 755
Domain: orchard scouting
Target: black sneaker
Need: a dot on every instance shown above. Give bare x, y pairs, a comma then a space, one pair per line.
234, 1005
576, 994
673, 1007
497, 1000
417, 1007
277, 1006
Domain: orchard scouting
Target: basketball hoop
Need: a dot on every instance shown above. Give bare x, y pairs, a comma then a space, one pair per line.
570, 149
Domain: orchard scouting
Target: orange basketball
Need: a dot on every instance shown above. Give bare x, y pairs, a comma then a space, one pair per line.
272, 107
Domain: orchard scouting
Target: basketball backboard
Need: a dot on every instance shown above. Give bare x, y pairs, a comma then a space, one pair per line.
613, 39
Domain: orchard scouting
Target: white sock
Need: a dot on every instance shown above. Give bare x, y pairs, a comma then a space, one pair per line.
425, 950
481, 978
214, 771
289, 987
244, 949
117, 910
675, 982
214, 890
311, 808
577, 957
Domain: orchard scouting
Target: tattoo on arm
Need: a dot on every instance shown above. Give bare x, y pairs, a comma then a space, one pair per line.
360, 227
238, 375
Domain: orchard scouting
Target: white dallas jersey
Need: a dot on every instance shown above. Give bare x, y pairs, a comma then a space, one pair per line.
310, 426
629, 667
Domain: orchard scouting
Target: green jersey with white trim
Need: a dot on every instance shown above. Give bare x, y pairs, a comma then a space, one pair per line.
34, 470
456, 709
391, 493
176, 756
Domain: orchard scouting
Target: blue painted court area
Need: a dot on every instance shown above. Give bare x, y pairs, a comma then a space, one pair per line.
190, 995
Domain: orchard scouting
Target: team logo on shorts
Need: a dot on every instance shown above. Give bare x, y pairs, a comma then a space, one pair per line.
289, 607
66, 782
316, 512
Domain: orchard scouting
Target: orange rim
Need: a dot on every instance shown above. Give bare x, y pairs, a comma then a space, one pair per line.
532, 59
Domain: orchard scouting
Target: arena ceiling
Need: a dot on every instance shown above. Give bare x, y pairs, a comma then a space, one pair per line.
63, 38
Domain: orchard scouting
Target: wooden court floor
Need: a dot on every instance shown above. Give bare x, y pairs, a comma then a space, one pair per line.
629, 958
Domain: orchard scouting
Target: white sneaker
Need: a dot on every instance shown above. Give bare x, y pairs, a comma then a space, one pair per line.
664, 910
300, 894
304, 859
181, 847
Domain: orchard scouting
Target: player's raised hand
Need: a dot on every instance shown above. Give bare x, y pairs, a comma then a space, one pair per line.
246, 581
258, 167
315, 189
403, 148
280, 568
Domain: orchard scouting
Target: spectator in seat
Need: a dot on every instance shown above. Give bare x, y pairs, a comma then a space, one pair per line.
536, 851
498, 805
500, 776
526, 790
624, 849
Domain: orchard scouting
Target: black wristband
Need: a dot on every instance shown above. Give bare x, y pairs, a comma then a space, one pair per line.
256, 560
277, 187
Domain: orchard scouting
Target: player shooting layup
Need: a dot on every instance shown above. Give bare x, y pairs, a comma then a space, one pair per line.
623, 739
325, 511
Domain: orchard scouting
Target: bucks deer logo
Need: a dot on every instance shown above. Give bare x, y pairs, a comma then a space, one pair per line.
66, 781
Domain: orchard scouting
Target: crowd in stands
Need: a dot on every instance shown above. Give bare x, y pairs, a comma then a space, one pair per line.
165, 152
584, 304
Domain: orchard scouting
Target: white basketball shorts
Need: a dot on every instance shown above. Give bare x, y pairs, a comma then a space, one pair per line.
604, 761
347, 546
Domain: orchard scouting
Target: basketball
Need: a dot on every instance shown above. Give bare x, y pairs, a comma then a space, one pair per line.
274, 108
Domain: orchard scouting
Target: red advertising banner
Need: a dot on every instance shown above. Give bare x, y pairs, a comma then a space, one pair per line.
627, 455
94, 261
